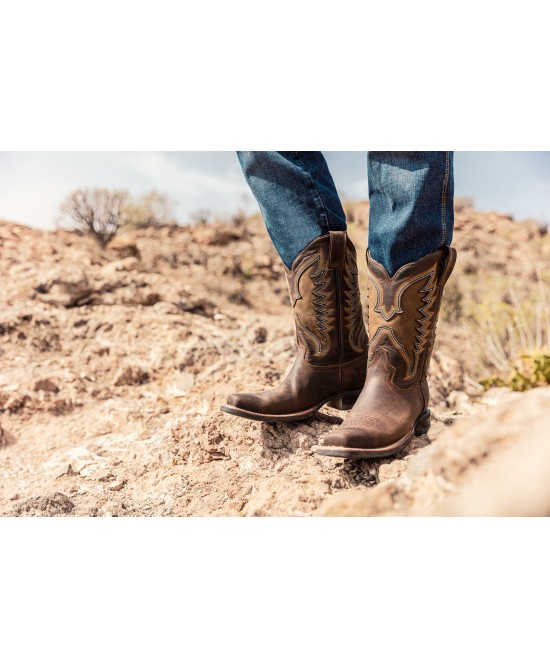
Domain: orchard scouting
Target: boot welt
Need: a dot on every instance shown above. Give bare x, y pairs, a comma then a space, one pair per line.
420, 427
340, 402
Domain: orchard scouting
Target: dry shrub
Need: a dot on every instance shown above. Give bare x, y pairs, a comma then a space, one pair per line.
98, 211
518, 352
153, 209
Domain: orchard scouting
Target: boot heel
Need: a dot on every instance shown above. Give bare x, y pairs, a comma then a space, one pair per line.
423, 423
345, 402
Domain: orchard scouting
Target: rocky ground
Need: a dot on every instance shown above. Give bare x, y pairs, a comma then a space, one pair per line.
113, 364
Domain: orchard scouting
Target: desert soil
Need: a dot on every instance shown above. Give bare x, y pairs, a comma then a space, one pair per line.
113, 364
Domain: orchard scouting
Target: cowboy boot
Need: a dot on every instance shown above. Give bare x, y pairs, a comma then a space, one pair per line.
331, 338
393, 406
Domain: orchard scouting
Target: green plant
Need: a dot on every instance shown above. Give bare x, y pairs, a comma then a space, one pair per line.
530, 370
517, 346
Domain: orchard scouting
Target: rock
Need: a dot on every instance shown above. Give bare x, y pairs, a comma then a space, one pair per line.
497, 466
260, 335
392, 470
148, 298
166, 308
124, 248
111, 271
183, 381
66, 286
46, 385
70, 472
45, 506
217, 235
15, 402
131, 375
4, 397
106, 476
117, 486
199, 306
458, 399
445, 375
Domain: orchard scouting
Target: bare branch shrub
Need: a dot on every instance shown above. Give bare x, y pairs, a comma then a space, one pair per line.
99, 211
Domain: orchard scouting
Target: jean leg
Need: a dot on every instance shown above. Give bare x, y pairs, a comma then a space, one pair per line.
411, 205
296, 195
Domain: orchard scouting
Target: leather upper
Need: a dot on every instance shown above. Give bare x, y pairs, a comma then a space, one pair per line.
331, 336
403, 312
324, 294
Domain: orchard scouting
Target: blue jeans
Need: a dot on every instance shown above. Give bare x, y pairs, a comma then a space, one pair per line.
410, 192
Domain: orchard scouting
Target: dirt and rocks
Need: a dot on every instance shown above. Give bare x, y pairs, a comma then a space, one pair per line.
113, 364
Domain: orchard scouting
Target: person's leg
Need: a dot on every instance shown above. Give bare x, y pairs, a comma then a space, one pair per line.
307, 224
296, 195
411, 205
409, 262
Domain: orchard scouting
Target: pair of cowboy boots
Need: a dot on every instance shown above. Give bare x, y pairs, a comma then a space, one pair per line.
383, 380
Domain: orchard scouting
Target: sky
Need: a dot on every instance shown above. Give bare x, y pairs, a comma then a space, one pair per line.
32, 185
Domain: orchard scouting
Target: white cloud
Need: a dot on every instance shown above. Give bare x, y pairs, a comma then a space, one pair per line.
33, 184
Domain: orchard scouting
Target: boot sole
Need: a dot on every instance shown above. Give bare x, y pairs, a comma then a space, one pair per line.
421, 427
342, 402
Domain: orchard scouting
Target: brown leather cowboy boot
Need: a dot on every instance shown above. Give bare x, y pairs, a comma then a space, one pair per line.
393, 406
331, 360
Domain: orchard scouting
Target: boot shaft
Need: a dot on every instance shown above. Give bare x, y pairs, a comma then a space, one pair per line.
326, 301
403, 312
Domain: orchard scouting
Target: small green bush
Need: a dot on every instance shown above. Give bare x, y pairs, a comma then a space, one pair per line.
530, 370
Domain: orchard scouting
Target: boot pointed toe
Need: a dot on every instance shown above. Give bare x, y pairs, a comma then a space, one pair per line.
352, 443
239, 400
244, 404
344, 438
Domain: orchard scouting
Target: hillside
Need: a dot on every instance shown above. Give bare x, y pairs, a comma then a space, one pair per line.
113, 364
